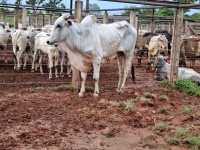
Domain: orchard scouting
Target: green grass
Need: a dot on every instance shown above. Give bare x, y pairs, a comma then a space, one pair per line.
162, 126
186, 110
187, 86
149, 95
164, 81
164, 110
185, 136
164, 97
127, 105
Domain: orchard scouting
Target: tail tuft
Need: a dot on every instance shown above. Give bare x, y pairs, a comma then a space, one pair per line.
133, 73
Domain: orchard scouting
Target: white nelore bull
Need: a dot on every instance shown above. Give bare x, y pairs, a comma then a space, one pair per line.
87, 45
20, 41
163, 71
51, 50
4, 38
158, 44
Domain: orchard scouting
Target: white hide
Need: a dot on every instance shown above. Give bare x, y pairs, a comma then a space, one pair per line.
163, 71
4, 38
20, 41
44, 48
87, 43
158, 44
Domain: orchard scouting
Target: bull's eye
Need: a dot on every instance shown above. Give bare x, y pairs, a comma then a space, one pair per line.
58, 26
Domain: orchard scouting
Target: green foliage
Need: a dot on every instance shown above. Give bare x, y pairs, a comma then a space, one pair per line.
186, 110
34, 2
187, 86
127, 105
18, 2
164, 110
162, 126
94, 6
149, 95
165, 12
193, 16
185, 135
164, 81
173, 141
194, 141
54, 4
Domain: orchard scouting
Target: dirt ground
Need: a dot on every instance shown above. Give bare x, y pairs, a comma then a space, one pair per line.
38, 113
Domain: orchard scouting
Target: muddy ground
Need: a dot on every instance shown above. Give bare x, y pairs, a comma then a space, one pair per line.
38, 113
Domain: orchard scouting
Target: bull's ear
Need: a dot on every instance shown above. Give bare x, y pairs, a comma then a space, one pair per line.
66, 17
69, 23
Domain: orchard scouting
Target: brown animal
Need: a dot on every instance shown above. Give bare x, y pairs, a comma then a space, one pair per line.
189, 50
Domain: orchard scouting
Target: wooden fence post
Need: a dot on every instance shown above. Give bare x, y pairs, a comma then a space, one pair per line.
43, 20
75, 72
134, 20
24, 18
16, 18
176, 41
4, 18
105, 18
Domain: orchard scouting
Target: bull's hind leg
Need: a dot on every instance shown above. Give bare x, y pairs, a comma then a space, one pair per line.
120, 60
127, 66
83, 79
96, 66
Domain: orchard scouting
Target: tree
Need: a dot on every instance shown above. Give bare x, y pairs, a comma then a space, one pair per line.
127, 12
18, 2
34, 2
54, 3
94, 6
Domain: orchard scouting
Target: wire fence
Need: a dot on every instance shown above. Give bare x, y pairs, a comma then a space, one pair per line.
25, 77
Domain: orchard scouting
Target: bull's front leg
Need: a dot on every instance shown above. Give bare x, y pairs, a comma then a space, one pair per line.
50, 66
96, 66
5, 54
149, 61
19, 54
83, 79
25, 60
56, 65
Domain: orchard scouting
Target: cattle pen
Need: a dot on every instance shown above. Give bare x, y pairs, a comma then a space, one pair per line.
41, 113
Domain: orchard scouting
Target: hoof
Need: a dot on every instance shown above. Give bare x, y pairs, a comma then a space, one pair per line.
32, 70
62, 76
24, 68
6, 61
80, 95
69, 76
57, 76
96, 95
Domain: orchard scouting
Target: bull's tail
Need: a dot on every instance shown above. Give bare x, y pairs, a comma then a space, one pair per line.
133, 73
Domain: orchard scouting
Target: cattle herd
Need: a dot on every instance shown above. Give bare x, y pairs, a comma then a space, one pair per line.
85, 44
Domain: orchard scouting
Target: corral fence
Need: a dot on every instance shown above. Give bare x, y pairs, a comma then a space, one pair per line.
176, 25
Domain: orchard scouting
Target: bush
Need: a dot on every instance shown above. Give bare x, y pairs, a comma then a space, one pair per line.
187, 86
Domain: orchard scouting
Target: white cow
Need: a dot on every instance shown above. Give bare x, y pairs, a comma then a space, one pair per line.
4, 38
158, 44
51, 50
87, 45
20, 41
163, 71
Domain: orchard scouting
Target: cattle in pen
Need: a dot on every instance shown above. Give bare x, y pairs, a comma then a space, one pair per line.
157, 45
163, 71
190, 49
86, 46
20, 42
51, 50
5, 36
